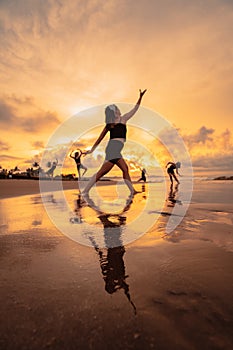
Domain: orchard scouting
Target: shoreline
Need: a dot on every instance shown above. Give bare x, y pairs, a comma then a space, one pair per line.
10, 188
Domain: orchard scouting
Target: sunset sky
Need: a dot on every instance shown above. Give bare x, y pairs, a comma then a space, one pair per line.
59, 57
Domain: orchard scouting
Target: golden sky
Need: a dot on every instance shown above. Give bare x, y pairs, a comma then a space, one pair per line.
60, 57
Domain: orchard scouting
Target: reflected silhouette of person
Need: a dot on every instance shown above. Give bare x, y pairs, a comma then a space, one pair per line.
111, 258
144, 196
78, 219
171, 167
172, 196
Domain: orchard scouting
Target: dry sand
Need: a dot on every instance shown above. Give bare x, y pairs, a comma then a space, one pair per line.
15, 188
56, 293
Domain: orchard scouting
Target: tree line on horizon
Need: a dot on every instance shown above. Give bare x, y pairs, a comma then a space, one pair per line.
33, 172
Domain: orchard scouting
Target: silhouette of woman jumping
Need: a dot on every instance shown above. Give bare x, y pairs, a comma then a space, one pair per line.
77, 158
116, 126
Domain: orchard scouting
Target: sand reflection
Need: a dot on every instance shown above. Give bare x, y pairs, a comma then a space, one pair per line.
111, 259
172, 198
24, 214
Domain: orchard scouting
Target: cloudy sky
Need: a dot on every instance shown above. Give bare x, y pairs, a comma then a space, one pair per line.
60, 57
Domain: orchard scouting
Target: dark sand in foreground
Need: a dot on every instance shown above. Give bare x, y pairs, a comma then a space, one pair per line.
175, 290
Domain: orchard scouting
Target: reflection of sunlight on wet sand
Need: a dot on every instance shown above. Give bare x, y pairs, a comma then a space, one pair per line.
110, 199
203, 221
24, 214
75, 218
150, 239
80, 217
208, 222
218, 217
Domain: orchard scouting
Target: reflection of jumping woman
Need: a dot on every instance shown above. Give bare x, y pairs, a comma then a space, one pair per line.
77, 159
170, 170
116, 125
111, 259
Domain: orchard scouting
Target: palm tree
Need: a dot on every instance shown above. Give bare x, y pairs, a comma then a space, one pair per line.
35, 165
32, 171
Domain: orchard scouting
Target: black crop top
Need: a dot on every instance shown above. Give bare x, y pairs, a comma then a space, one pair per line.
172, 167
118, 130
78, 159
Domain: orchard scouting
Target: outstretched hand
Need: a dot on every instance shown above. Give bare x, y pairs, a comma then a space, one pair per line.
86, 152
142, 92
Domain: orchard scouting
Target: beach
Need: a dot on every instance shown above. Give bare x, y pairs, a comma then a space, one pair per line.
65, 284
15, 187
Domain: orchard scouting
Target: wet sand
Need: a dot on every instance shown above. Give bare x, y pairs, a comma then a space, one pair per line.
162, 291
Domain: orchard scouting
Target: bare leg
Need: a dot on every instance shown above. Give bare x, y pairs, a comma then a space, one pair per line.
105, 168
85, 170
171, 179
176, 178
124, 167
79, 174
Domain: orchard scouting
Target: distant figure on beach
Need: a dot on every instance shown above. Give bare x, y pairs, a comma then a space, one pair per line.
51, 170
77, 158
143, 175
116, 126
171, 167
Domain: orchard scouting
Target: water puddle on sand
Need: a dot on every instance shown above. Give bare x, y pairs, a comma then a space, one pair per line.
24, 214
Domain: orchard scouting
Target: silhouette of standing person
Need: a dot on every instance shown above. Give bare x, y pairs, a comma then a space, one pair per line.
171, 167
143, 175
77, 158
116, 126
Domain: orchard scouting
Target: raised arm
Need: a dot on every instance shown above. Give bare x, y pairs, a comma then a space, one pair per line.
97, 142
71, 155
129, 115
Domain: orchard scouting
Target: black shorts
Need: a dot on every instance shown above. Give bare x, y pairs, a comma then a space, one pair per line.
170, 171
113, 151
80, 166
